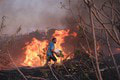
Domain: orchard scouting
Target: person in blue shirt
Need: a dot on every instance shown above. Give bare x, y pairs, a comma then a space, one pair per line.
51, 52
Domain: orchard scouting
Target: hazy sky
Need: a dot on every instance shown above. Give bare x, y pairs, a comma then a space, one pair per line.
31, 14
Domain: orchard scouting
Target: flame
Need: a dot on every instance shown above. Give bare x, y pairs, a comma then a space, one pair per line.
60, 35
35, 51
98, 47
74, 34
118, 49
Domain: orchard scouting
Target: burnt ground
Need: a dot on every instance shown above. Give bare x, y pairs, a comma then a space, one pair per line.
63, 72
73, 69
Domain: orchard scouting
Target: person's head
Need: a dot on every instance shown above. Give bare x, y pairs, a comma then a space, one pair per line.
54, 40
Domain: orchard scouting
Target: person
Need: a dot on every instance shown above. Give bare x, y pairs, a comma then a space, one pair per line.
51, 52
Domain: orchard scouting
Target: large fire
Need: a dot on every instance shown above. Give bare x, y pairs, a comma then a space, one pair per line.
35, 51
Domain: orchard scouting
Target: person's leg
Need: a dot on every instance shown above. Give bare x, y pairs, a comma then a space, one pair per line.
48, 59
54, 59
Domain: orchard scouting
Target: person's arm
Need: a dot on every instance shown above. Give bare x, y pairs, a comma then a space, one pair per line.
53, 51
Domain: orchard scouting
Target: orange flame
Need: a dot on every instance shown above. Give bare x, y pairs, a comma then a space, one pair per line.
74, 34
36, 50
33, 50
118, 49
60, 35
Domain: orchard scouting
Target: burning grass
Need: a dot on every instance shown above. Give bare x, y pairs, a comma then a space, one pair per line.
35, 51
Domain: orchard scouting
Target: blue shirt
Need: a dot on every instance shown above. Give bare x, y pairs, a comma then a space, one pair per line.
50, 48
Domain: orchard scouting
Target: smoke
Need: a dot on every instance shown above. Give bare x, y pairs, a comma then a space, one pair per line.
42, 14
78, 9
31, 14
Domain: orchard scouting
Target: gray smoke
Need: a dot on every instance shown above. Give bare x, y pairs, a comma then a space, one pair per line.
41, 14
31, 14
